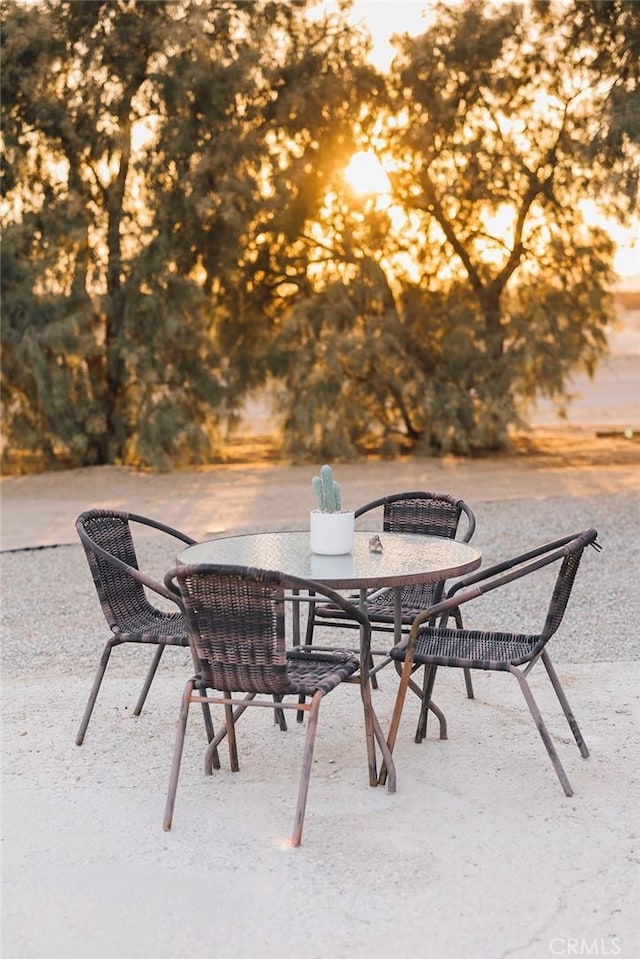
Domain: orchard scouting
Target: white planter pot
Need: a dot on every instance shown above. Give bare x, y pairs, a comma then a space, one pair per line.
331, 534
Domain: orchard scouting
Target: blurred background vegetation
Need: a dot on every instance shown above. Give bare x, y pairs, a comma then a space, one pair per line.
205, 199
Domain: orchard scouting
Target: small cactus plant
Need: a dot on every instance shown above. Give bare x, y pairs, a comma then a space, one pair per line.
327, 491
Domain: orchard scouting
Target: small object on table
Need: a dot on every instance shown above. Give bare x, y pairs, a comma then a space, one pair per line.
375, 544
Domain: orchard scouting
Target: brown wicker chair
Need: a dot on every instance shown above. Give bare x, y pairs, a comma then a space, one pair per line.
237, 625
434, 646
109, 547
431, 514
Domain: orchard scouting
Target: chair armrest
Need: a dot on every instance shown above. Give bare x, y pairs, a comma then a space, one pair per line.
483, 581
488, 571
162, 527
152, 584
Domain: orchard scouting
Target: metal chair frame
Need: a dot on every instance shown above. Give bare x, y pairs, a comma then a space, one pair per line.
237, 627
108, 543
516, 653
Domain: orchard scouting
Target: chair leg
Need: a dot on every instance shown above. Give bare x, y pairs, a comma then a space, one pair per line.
542, 729
231, 734
300, 712
147, 683
427, 705
211, 760
278, 714
559, 691
369, 729
95, 689
401, 696
457, 615
387, 758
177, 755
443, 732
208, 725
206, 711
468, 684
437, 712
372, 675
305, 775
308, 641
428, 681
201, 688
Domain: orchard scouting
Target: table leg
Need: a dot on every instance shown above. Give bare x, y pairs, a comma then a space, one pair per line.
397, 614
373, 729
295, 614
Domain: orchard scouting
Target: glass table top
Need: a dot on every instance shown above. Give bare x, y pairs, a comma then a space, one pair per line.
406, 558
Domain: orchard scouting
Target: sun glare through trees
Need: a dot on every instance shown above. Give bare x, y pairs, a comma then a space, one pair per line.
386, 20
366, 175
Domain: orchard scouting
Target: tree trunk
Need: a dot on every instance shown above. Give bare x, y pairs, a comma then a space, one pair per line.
118, 431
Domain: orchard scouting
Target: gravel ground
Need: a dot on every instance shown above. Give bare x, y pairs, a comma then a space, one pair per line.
53, 605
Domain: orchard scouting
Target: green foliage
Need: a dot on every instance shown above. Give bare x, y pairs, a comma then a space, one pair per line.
177, 230
507, 286
607, 35
178, 244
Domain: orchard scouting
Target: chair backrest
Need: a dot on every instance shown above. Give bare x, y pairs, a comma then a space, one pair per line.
236, 621
418, 511
108, 544
565, 579
427, 513
108, 532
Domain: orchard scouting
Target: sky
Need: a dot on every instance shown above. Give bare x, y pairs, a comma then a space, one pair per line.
386, 17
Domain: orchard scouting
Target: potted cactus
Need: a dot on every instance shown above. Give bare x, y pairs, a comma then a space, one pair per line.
331, 526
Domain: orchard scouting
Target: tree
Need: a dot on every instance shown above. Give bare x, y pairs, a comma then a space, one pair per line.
178, 229
607, 35
159, 160
496, 131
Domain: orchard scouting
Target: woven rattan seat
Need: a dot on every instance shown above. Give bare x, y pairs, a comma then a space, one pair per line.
107, 538
238, 629
477, 649
517, 653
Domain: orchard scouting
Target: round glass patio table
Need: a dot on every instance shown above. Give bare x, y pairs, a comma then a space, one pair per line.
406, 559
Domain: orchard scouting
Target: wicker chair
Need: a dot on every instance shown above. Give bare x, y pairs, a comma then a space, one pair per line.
434, 646
431, 514
109, 547
237, 625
